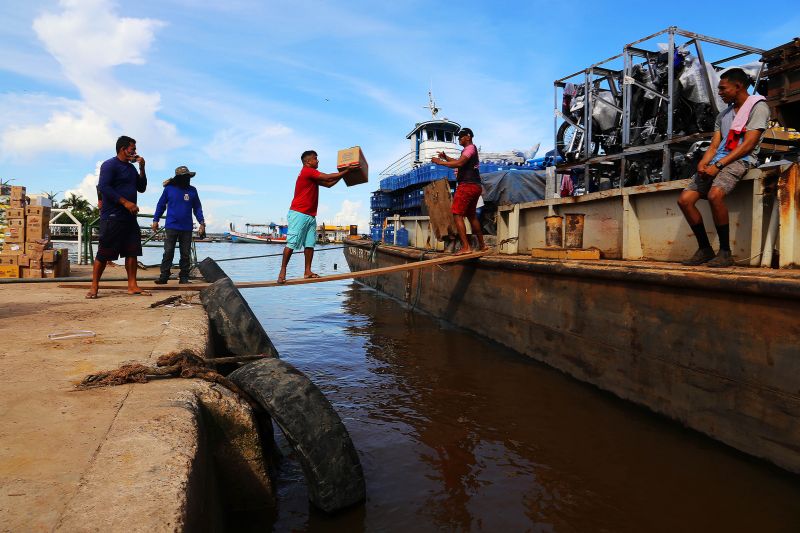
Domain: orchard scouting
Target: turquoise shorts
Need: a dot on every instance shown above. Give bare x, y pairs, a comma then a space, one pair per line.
302, 231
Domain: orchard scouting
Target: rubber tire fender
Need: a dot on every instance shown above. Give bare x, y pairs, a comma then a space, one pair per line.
210, 270
233, 320
313, 428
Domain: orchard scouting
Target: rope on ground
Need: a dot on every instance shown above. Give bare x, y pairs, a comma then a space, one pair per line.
183, 364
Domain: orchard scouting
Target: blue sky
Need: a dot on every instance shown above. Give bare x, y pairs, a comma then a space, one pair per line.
236, 90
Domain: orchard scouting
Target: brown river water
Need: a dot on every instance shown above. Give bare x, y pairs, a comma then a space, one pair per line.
458, 433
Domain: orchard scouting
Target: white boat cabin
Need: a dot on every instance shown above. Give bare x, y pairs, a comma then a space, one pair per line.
433, 136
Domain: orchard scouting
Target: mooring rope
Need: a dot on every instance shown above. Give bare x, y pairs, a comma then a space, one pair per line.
182, 364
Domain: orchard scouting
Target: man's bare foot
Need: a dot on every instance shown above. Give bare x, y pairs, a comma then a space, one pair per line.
281, 277
136, 291
310, 275
92, 295
464, 251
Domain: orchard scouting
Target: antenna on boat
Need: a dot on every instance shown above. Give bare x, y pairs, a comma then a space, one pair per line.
431, 104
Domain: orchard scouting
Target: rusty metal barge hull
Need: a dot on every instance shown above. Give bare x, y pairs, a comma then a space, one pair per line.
716, 351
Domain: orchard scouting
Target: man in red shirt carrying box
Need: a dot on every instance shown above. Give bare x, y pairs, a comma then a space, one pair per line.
302, 233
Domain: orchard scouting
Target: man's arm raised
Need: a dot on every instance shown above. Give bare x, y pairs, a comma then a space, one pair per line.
329, 180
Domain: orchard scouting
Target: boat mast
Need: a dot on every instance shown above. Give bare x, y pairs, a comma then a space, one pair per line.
431, 105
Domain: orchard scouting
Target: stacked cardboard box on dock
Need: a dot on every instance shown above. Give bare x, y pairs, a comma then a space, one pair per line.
27, 251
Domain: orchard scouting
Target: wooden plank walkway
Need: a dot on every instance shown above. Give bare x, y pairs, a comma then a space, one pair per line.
416, 265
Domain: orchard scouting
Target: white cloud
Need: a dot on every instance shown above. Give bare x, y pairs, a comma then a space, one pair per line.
351, 212
88, 39
216, 220
83, 132
225, 189
273, 143
87, 188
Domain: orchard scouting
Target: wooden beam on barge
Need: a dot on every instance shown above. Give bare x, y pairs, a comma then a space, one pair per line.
300, 281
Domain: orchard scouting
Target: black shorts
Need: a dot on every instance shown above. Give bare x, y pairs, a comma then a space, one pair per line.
118, 238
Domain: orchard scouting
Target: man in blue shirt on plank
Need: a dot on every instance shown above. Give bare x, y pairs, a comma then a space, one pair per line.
179, 199
119, 229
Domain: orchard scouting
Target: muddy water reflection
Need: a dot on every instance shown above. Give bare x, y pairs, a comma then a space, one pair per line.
458, 433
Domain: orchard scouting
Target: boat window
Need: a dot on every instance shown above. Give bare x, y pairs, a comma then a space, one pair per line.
448, 136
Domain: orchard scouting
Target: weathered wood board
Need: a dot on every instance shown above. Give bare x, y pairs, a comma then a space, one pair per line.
439, 204
566, 253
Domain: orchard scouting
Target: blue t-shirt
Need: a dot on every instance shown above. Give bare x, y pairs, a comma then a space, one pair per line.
118, 179
179, 204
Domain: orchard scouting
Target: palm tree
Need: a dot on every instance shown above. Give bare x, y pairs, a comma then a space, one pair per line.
5, 186
75, 202
52, 196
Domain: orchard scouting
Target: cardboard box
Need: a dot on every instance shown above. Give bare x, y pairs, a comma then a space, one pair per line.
63, 266
9, 271
17, 192
13, 248
37, 230
40, 200
16, 203
30, 272
38, 210
50, 256
353, 158
14, 234
35, 264
15, 222
24, 260
9, 259
38, 245
15, 212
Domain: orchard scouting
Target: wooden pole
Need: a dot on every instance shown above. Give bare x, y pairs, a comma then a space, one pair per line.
298, 281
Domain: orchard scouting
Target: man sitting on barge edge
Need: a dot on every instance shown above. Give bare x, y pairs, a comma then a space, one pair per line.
733, 150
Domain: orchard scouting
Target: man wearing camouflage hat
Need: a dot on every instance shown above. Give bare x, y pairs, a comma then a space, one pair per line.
179, 199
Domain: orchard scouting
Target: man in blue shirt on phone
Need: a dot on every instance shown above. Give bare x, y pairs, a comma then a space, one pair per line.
119, 236
179, 199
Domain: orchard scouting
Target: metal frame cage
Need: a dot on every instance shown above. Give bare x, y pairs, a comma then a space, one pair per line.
609, 83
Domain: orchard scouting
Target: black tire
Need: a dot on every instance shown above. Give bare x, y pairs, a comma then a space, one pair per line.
238, 331
562, 130
312, 427
210, 270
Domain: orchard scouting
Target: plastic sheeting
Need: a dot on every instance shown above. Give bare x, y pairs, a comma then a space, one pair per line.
513, 186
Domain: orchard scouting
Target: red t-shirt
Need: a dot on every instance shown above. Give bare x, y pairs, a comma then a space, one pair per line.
306, 192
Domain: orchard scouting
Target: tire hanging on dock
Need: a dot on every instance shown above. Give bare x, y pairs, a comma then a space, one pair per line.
312, 427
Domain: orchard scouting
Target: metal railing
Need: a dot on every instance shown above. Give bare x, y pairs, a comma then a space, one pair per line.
59, 214
86, 251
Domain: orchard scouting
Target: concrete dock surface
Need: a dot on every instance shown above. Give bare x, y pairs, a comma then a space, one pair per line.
129, 457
